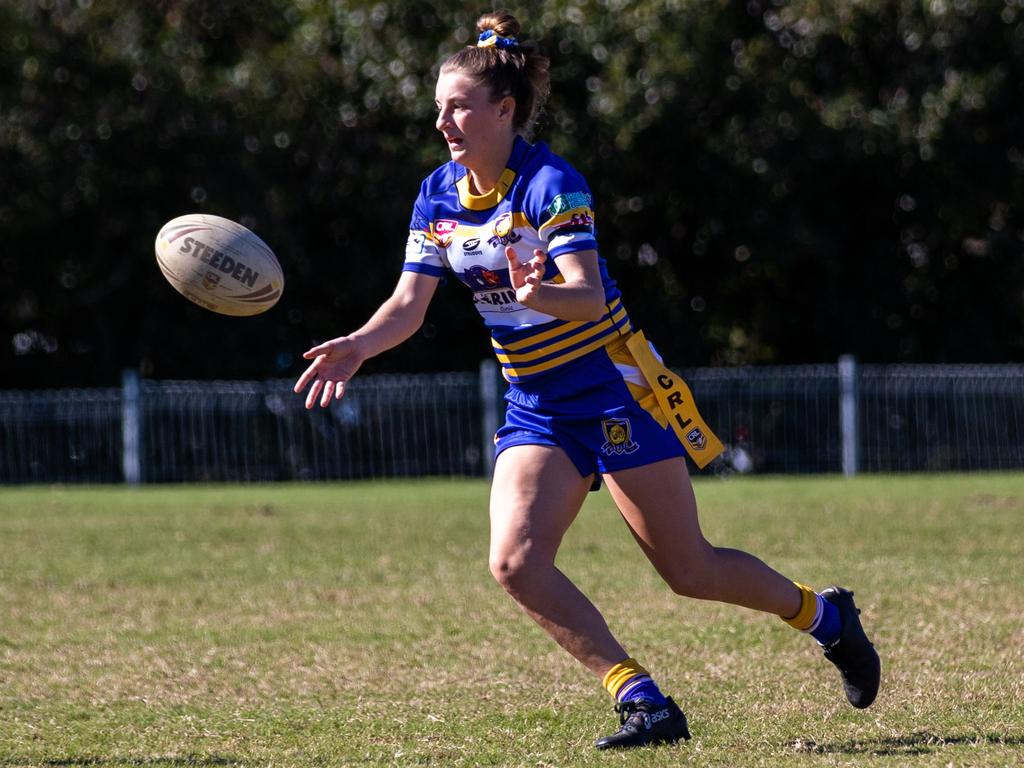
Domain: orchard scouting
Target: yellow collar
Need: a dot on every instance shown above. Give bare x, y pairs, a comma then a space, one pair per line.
488, 199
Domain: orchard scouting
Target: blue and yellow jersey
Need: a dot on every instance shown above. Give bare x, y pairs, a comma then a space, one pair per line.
540, 202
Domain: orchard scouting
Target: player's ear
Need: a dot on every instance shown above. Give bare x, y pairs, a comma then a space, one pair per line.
507, 108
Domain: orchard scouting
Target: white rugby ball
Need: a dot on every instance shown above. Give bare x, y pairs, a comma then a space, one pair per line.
219, 264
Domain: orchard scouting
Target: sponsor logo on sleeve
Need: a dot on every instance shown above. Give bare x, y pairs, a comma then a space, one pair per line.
576, 221
568, 201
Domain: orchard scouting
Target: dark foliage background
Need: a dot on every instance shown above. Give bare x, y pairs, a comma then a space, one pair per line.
774, 181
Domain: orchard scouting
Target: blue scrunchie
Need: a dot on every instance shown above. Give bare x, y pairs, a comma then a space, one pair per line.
490, 39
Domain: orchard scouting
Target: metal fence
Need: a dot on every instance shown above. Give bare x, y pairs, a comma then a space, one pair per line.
795, 419
905, 418
941, 418
208, 431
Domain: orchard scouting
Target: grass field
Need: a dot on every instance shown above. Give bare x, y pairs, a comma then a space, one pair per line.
357, 624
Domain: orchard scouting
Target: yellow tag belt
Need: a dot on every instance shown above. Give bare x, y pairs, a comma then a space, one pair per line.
676, 401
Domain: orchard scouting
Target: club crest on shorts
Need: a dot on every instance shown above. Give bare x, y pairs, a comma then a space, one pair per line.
697, 438
618, 436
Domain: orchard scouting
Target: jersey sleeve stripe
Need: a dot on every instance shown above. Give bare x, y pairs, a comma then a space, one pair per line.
570, 229
423, 269
571, 244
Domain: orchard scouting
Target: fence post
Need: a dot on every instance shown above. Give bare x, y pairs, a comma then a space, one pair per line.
130, 426
849, 418
490, 410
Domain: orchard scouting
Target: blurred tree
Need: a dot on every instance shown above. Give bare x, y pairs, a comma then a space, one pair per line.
779, 181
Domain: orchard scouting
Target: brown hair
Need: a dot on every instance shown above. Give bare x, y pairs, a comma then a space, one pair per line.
508, 69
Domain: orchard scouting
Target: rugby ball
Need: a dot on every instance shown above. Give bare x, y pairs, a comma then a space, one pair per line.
219, 264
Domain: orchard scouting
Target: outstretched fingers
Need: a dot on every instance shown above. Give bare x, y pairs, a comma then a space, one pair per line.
320, 349
314, 391
328, 393
307, 376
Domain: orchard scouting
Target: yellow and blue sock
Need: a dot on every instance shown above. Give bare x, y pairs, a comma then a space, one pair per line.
628, 681
817, 617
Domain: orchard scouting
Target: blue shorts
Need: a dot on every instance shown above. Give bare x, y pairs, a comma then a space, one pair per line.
601, 426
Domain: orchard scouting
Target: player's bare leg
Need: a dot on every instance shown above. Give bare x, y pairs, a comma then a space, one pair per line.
658, 504
536, 494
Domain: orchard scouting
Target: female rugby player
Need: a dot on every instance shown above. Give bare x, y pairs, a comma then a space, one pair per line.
515, 224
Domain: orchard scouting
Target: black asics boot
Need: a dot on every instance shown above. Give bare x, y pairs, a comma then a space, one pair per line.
852, 652
644, 722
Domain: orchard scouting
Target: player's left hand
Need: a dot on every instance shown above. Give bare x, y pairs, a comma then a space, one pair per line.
334, 363
526, 278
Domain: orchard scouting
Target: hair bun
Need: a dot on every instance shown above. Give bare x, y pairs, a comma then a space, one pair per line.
502, 23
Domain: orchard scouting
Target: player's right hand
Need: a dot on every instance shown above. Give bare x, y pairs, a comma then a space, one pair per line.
334, 363
526, 278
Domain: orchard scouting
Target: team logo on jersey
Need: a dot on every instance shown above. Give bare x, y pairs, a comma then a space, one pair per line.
503, 226
697, 438
569, 201
481, 279
443, 231
210, 280
503, 234
618, 436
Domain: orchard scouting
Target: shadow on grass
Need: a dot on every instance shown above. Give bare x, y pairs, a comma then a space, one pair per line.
916, 743
155, 762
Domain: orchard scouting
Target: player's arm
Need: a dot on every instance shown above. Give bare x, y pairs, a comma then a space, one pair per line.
337, 360
580, 297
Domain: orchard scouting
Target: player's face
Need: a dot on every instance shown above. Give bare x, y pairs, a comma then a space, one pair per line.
474, 126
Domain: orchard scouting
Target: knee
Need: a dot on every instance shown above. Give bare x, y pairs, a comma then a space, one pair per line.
696, 577
688, 583
515, 570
